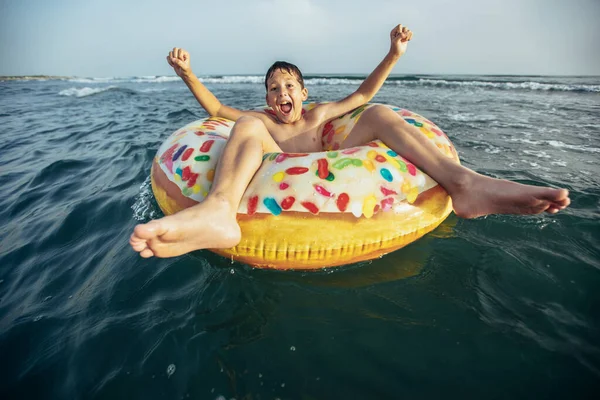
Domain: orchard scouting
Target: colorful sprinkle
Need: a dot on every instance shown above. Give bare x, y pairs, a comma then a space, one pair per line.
332, 154
387, 192
210, 175
187, 154
283, 186
252, 203
386, 174
278, 177
205, 148
185, 174
322, 168
202, 158
272, 205
296, 170
310, 207
411, 169
412, 194
179, 151
387, 203
288, 202
342, 202
368, 164
322, 191
369, 206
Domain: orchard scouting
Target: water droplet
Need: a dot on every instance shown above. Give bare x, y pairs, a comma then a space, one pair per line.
293, 348
47, 298
232, 271
283, 385
36, 319
170, 370
260, 375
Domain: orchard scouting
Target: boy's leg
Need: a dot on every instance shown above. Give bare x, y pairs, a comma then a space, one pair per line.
472, 194
211, 223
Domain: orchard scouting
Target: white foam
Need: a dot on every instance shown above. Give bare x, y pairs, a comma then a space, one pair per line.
83, 92
234, 79
505, 85
559, 144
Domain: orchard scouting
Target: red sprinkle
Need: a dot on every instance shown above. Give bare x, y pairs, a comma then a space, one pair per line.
387, 192
322, 166
386, 204
411, 169
372, 144
380, 158
310, 207
342, 202
252, 203
321, 190
187, 154
283, 186
350, 151
288, 202
192, 180
186, 173
436, 131
296, 170
281, 157
199, 133
205, 148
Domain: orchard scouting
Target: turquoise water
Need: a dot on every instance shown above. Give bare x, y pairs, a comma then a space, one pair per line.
497, 307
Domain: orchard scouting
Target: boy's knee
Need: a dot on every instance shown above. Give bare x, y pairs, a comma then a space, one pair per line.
378, 111
249, 120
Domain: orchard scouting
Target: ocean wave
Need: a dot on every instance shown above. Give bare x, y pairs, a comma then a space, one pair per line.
87, 91
526, 85
233, 79
487, 82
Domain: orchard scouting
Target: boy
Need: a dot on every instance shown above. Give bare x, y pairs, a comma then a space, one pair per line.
212, 223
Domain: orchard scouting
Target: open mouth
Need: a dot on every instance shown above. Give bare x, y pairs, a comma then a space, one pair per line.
285, 108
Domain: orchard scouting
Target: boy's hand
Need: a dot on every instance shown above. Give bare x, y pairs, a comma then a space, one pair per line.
399, 36
179, 59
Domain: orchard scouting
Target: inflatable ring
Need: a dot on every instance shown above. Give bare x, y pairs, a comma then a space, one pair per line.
311, 210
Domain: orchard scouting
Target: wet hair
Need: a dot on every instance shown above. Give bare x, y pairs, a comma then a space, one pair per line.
287, 67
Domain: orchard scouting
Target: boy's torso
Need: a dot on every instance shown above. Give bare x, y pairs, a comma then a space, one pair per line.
303, 136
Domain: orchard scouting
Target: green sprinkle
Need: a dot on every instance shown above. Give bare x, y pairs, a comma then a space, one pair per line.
332, 154
202, 158
342, 163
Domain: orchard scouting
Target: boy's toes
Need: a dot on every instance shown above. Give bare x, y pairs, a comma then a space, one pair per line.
146, 253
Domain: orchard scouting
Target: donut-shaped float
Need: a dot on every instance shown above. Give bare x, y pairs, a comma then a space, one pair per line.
311, 210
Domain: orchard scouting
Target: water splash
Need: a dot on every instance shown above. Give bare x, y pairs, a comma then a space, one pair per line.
145, 208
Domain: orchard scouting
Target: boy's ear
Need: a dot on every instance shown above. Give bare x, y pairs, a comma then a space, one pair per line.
304, 94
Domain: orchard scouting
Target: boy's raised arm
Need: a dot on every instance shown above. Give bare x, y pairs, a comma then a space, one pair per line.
179, 59
399, 38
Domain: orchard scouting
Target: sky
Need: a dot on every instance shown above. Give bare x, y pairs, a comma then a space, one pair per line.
111, 38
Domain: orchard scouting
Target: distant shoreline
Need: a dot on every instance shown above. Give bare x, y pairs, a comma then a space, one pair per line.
32, 77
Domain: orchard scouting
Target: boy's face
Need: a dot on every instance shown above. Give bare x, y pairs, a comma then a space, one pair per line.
285, 96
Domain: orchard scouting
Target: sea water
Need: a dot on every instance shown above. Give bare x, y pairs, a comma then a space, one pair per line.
496, 307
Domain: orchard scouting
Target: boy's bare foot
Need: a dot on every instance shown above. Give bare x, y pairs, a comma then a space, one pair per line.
480, 195
210, 224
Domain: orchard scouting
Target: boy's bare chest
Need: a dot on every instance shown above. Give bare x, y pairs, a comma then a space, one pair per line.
298, 139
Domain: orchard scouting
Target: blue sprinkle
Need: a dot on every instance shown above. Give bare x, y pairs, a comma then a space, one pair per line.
179, 172
272, 205
386, 174
392, 153
178, 152
395, 108
410, 121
